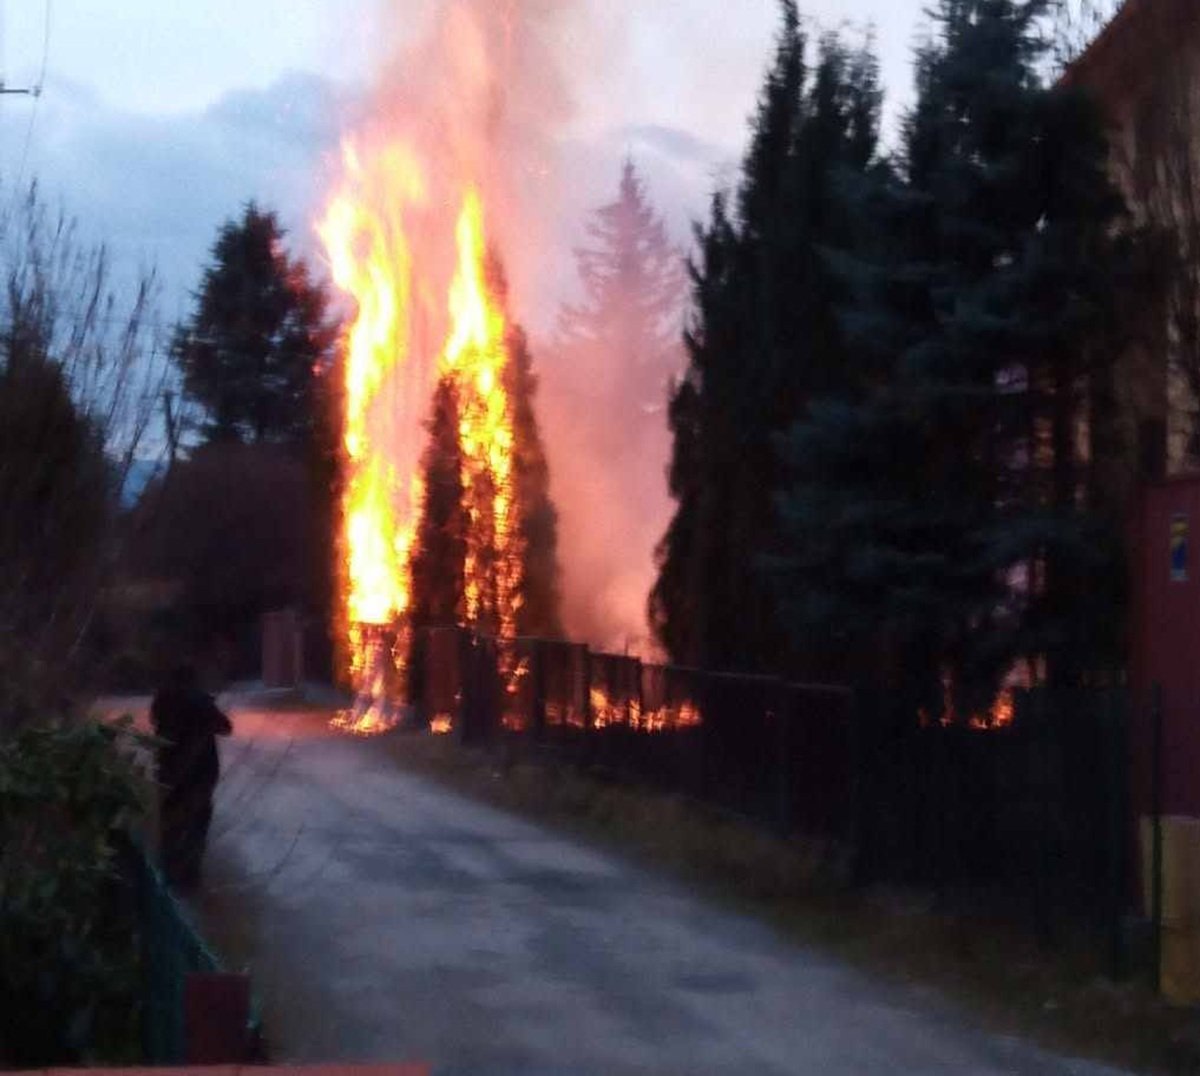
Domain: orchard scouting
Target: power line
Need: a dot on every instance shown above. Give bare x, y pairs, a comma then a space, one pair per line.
34, 91
48, 22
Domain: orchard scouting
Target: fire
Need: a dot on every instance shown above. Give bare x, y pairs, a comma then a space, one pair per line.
442, 725
370, 259
1000, 715
605, 711
373, 712
476, 358
389, 374
608, 711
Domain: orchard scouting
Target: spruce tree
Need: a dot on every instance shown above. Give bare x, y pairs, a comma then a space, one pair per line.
259, 338
942, 514
540, 597
763, 340
625, 332
440, 548
618, 347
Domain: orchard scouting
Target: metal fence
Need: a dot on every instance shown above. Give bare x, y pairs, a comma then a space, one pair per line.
1036, 811
775, 752
172, 950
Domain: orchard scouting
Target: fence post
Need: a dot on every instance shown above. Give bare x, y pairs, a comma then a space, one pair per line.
858, 830
539, 692
1043, 926
786, 717
466, 687
585, 666
1156, 867
1117, 834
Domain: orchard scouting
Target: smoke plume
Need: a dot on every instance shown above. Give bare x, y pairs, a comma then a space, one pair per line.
483, 92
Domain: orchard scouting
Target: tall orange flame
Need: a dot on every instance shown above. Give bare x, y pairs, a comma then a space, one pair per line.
476, 358
388, 380
371, 260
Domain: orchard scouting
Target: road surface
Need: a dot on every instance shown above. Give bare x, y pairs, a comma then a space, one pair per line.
385, 918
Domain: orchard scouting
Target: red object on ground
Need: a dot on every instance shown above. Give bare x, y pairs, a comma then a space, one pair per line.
216, 1014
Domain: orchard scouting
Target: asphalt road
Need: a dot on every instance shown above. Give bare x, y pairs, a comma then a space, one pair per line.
387, 919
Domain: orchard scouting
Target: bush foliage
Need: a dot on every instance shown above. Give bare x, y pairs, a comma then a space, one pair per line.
72, 795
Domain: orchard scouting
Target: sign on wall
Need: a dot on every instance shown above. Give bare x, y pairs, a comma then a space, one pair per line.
1179, 547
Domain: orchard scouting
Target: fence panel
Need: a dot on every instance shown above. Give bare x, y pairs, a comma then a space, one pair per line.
1038, 803
816, 748
564, 689
171, 951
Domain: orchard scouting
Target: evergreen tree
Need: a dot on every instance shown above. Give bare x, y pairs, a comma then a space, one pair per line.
539, 613
441, 550
626, 331
259, 337
57, 489
619, 349
763, 340
437, 570
942, 511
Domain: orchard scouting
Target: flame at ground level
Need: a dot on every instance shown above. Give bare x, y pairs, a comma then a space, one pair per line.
607, 712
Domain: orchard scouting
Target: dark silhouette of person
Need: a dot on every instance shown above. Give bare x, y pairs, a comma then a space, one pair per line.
187, 720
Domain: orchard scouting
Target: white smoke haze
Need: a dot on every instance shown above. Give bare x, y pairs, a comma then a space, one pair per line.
484, 92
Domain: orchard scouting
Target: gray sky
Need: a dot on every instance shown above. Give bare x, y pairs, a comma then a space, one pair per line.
161, 117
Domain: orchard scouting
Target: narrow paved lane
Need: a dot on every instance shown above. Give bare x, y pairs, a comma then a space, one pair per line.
388, 919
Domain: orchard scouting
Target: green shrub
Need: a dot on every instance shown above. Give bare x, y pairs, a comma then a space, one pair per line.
71, 798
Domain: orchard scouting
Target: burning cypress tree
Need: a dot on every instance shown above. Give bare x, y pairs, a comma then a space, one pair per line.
437, 568
538, 518
457, 522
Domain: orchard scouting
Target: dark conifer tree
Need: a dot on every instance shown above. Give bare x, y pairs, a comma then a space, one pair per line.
539, 613
437, 569
944, 514
259, 338
257, 360
763, 339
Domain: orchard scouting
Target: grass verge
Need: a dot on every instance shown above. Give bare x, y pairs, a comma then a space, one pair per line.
983, 962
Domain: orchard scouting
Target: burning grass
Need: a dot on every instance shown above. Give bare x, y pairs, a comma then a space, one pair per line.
963, 948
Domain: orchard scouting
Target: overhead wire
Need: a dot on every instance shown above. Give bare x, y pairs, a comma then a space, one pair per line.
36, 93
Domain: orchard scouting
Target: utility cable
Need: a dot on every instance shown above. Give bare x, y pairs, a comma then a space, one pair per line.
36, 94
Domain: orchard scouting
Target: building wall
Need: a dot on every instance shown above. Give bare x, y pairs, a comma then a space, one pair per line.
1166, 642
1145, 70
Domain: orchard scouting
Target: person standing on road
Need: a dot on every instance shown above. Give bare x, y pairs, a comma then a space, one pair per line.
187, 721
